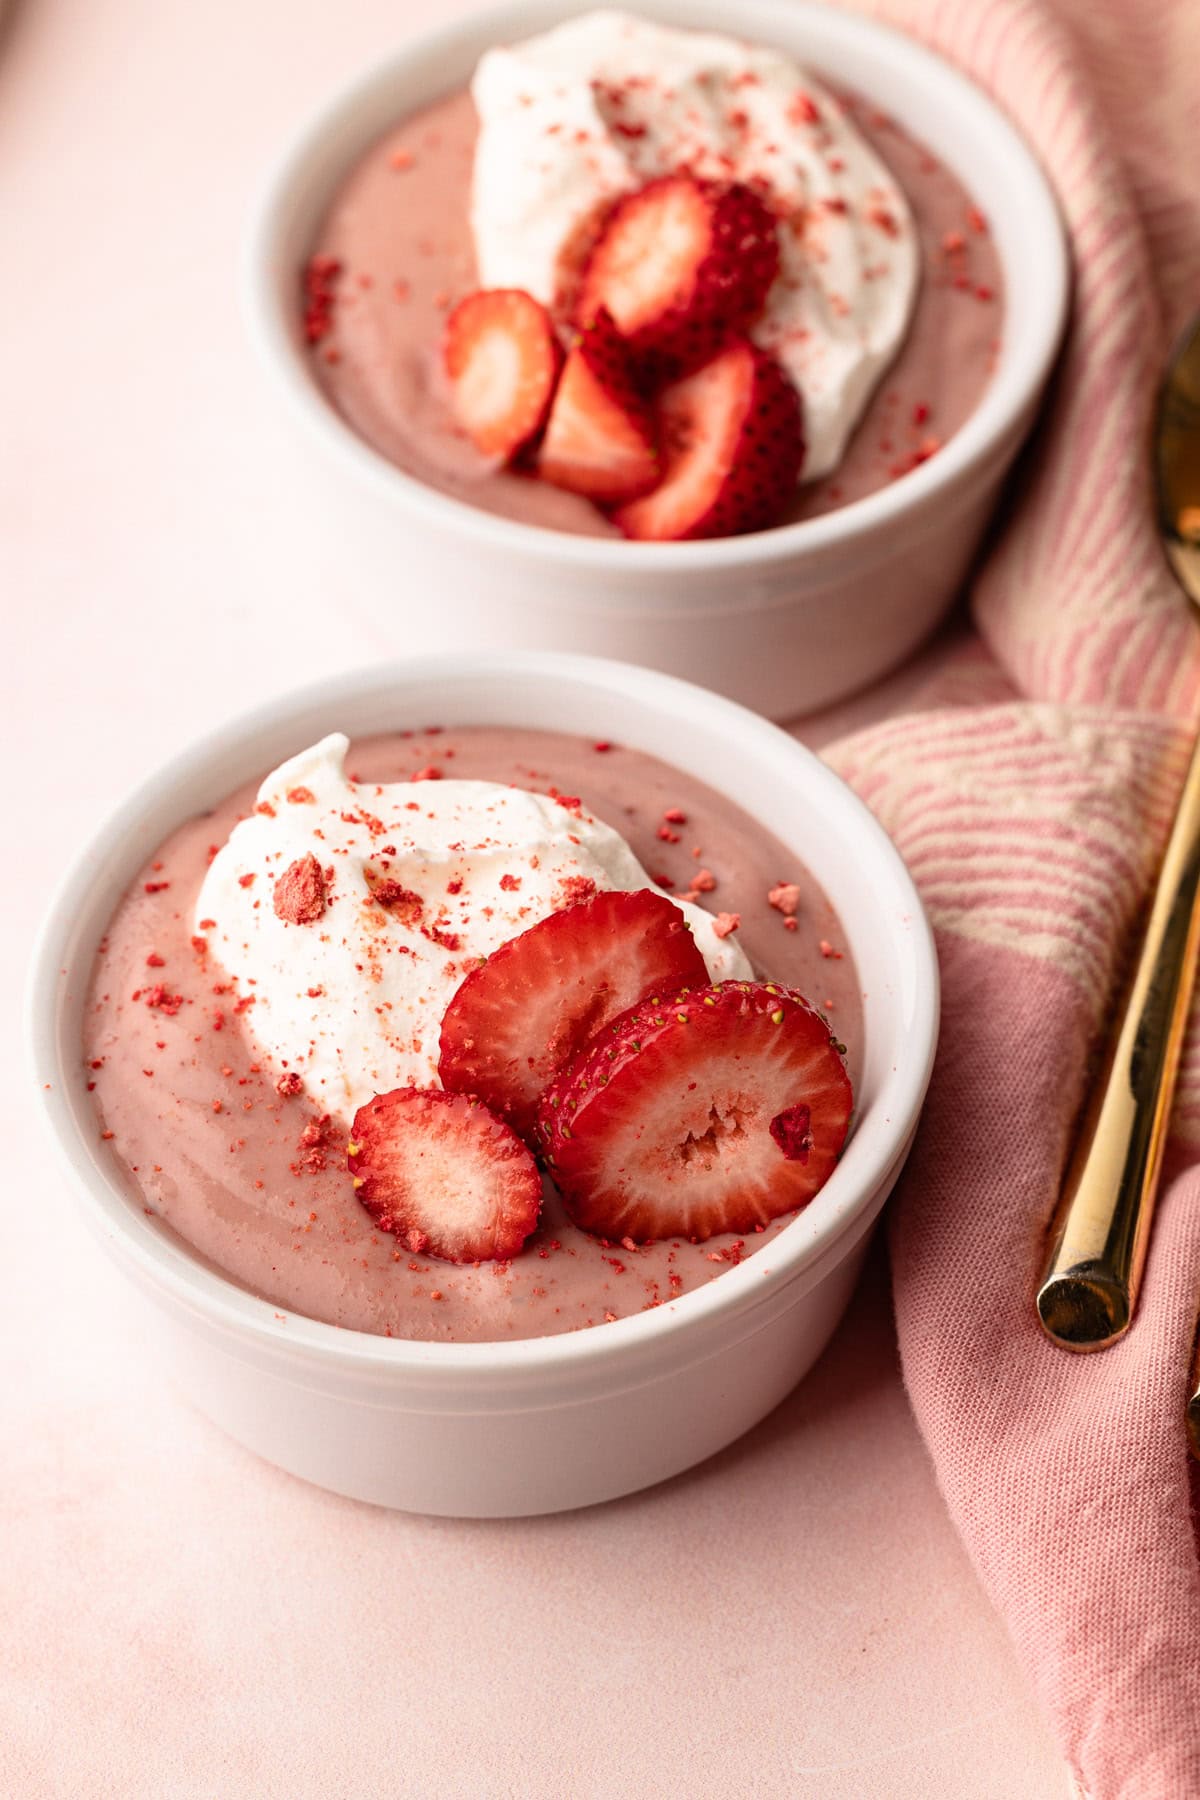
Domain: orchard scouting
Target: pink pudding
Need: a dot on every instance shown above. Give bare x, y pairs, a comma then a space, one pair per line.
397, 250
233, 1154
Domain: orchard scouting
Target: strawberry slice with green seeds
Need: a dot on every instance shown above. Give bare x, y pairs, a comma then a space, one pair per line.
516, 1020
715, 1110
679, 264
732, 442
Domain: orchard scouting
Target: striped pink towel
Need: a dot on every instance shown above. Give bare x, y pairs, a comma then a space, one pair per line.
1032, 825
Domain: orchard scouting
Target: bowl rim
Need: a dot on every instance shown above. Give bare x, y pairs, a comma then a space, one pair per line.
171, 1265
1024, 364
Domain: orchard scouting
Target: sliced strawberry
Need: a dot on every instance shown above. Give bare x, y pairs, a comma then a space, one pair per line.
732, 437
678, 264
442, 1172
536, 1001
717, 1110
502, 358
600, 434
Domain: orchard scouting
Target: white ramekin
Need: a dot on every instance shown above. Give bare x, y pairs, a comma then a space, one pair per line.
545, 1423
784, 620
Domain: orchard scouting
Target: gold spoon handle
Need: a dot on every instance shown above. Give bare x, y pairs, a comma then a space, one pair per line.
1098, 1248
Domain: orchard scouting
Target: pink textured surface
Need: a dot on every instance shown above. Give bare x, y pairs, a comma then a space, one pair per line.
1032, 830
798, 1617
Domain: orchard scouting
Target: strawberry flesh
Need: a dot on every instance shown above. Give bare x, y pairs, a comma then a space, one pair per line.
533, 1005
732, 438
599, 438
678, 264
716, 1110
502, 359
444, 1174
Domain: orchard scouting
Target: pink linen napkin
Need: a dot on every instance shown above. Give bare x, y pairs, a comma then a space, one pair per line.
1032, 826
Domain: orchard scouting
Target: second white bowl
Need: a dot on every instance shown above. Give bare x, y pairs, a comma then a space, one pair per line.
491, 1429
785, 620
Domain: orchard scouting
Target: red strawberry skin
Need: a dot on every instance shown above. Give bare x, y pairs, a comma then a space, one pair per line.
679, 264
718, 1110
444, 1174
531, 1007
600, 436
502, 359
732, 437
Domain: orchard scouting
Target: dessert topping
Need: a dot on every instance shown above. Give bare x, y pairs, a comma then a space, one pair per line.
502, 359
574, 120
732, 437
537, 1000
393, 943
445, 1175
784, 897
600, 434
300, 892
716, 1110
680, 263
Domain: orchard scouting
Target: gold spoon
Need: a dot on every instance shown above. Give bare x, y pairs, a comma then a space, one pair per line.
1098, 1245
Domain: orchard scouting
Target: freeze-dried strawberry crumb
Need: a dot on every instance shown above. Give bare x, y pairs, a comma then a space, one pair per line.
827, 950
703, 881
265, 807
784, 897
155, 961
429, 774
791, 924
667, 835
301, 796
320, 285
288, 1085
155, 887
573, 890
725, 922
300, 897
675, 816
396, 898
200, 946
159, 999
602, 746
247, 880
510, 883
803, 110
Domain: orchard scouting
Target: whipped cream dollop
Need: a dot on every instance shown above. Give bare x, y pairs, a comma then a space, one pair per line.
606, 102
348, 913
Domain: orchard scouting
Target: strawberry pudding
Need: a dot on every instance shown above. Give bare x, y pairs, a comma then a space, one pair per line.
473, 1035
645, 282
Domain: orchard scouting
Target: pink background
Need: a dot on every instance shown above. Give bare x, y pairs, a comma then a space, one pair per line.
794, 1619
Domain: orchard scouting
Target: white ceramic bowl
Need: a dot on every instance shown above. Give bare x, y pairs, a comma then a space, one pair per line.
784, 620
545, 1423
